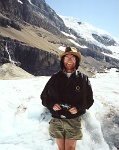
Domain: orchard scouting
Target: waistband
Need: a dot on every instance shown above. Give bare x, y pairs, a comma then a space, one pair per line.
65, 117
71, 116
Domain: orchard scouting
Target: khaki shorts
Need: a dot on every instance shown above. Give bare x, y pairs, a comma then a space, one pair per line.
66, 128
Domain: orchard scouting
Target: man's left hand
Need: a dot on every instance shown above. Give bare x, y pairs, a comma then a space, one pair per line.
73, 110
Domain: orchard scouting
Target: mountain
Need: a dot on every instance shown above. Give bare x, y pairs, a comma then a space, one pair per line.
91, 34
32, 36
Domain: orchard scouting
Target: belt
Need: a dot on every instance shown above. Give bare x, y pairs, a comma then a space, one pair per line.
63, 117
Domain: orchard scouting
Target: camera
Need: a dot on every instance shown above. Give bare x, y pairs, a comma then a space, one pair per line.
65, 106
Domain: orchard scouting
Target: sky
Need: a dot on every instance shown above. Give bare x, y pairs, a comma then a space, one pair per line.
103, 14
24, 122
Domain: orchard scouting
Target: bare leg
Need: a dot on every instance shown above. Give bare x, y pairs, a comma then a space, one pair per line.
61, 144
70, 144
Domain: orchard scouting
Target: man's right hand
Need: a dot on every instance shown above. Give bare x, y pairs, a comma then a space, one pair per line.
56, 107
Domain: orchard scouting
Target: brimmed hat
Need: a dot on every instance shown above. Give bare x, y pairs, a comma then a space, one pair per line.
72, 51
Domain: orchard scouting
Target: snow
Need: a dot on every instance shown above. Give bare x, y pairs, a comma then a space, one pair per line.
70, 35
114, 55
72, 41
20, 1
85, 30
30, 2
24, 122
62, 48
81, 46
115, 51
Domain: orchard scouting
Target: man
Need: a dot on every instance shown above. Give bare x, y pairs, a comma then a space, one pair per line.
67, 95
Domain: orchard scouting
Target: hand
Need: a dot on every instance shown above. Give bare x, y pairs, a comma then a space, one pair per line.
56, 107
73, 110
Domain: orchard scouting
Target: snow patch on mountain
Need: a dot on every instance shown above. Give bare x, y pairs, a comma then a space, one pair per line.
77, 43
20, 1
115, 51
30, 2
70, 35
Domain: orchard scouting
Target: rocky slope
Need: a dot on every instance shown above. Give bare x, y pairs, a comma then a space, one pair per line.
12, 72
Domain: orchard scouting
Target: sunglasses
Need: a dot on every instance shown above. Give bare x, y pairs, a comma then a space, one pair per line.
69, 58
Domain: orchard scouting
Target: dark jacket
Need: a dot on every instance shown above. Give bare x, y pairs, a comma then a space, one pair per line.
75, 91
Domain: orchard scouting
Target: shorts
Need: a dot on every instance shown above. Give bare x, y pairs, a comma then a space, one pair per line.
66, 128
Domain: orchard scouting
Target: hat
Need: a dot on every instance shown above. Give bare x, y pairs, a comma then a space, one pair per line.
72, 51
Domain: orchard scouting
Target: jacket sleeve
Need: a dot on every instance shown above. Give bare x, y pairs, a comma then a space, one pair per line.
89, 94
46, 97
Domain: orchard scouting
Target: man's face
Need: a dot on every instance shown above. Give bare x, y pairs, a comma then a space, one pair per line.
69, 61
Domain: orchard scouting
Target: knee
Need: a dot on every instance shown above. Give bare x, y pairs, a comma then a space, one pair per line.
70, 147
61, 148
